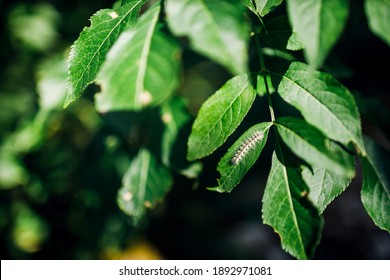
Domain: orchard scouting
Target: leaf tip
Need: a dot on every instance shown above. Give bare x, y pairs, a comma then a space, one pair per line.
218, 189
191, 156
192, 153
360, 150
68, 101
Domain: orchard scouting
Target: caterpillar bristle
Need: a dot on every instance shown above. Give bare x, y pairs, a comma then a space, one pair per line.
246, 147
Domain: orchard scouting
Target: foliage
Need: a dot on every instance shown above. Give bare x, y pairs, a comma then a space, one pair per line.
275, 52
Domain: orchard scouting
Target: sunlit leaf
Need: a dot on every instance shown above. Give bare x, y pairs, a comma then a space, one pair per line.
324, 186
29, 230
241, 156
217, 30
264, 7
51, 83
35, 26
323, 101
376, 184
12, 170
219, 116
287, 209
378, 15
141, 69
319, 24
312, 146
145, 183
89, 51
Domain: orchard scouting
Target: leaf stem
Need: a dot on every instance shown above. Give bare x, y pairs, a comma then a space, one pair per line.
262, 71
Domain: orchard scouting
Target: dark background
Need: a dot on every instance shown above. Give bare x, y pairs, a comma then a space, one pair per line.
65, 207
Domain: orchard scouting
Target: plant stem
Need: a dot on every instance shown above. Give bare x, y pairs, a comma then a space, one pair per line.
263, 70
269, 100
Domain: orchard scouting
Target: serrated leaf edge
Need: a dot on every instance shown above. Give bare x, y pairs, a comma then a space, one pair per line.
70, 85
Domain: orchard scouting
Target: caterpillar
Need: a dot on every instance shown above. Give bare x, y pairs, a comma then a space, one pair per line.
246, 146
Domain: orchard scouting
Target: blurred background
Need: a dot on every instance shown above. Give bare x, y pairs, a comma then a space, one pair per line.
59, 169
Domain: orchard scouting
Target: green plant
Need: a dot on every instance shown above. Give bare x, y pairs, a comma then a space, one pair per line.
135, 58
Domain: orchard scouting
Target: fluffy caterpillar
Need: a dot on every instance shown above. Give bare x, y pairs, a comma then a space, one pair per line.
246, 146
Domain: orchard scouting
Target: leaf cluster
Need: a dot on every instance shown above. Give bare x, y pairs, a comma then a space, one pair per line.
134, 54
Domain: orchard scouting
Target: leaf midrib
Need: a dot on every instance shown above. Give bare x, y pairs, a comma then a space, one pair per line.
373, 166
144, 58
291, 203
309, 144
145, 163
314, 98
222, 115
319, 17
81, 77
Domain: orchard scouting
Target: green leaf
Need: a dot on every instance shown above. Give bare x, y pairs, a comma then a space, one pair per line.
12, 170
253, 141
264, 7
376, 184
219, 116
278, 34
125, 2
378, 15
287, 209
141, 69
311, 145
217, 30
319, 24
322, 101
174, 116
144, 184
30, 134
324, 186
90, 49
176, 125
51, 83
33, 26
